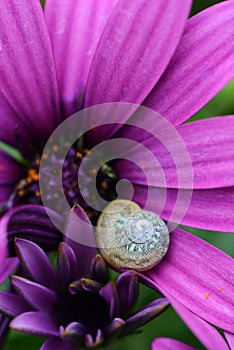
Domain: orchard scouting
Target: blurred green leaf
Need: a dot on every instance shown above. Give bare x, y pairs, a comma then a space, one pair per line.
221, 104
13, 153
17, 341
199, 5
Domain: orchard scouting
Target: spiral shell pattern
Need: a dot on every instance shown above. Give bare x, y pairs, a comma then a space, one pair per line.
130, 238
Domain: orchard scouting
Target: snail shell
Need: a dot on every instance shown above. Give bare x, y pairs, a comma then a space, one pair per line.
130, 238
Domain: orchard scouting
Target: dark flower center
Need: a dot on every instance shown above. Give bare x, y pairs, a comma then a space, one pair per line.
28, 191
87, 308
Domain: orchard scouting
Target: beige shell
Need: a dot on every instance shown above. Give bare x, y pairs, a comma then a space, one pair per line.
130, 238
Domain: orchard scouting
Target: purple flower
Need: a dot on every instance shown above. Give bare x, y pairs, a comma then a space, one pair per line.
140, 52
68, 309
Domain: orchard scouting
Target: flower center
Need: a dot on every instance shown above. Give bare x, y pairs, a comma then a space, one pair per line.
87, 308
28, 190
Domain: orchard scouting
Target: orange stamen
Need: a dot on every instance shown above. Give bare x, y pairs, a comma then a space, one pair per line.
45, 156
37, 162
104, 185
21, 193
79, 155
55, 148
93, 171
35, 177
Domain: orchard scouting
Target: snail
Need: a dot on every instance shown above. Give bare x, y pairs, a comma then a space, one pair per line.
131, 238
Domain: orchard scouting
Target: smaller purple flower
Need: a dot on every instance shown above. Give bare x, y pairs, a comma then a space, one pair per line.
72, 312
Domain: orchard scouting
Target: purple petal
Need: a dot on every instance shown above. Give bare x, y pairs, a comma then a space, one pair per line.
75, 287
201, 66
210, 145
74, 329
35, 323
90, 285
27, 58
12, 304
11, 127
144, 315
5, 192
36, 263
169, 344
40, 297
230, 339
74, 53
17, 216
206, 333
28, 221
10, 170
111, 117
128, 288
4, 329
10, 173
131, 42
159, 160
91, 341
114, 328
109, 293
80, 236
210, 209
7, 267
199, 155
67, 263
58, 344
98, 269
209, 291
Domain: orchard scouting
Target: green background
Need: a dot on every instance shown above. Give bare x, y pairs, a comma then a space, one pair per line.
168, 324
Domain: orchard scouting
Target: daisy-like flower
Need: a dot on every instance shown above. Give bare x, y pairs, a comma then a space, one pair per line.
70, 310
79, 54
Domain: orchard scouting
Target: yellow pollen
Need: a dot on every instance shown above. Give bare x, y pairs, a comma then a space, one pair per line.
29, 179
45, 156
21, 193
32, 175
55, 148
220, 289
104, 185
37, 162
79, 155
207, 295
37, 193
93, 171
32, 172
21, 184
89, 214
35, 177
